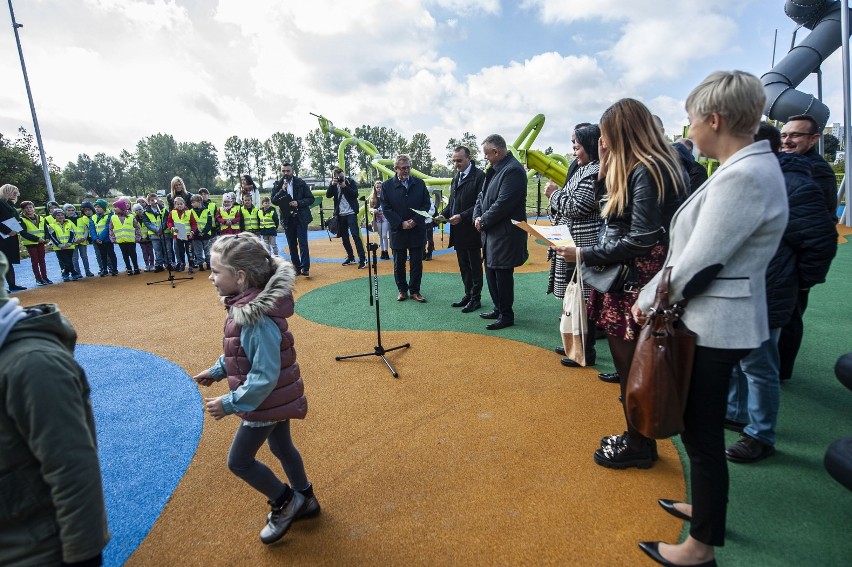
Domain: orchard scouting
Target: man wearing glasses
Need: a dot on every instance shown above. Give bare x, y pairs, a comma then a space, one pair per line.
504, 246
800, 136
401, 196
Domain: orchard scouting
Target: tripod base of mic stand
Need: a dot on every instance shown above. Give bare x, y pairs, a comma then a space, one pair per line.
379, 351
171, 279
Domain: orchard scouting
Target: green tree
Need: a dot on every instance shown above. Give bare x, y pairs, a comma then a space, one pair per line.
284, 147
157, 158
18, 168
322, 152
388, 142
199, 164
441, 170
830, 145
257, 159
468, 140
421, 153
98, 175
236, 160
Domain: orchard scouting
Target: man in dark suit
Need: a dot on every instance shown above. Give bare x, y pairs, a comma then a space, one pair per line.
463, 236
401, 195
292, 195
504, 245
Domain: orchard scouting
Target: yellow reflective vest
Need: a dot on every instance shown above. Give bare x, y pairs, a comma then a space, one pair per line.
33, 228
183, 218
64, 234
123, 229
251, 222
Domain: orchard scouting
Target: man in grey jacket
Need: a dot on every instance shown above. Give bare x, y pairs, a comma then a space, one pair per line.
51, 500
504, 246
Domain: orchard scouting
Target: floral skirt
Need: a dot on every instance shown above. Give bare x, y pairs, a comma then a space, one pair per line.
611, 311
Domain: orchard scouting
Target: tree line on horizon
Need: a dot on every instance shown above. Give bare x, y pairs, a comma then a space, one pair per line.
159, 157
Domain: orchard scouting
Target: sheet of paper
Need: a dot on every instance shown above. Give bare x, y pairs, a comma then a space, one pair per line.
181, 231
12, 224
422, 213
554, 235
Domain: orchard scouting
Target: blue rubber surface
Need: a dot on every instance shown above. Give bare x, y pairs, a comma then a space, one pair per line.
148, 414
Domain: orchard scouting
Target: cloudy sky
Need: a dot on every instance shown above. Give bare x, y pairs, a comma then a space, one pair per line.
106, 73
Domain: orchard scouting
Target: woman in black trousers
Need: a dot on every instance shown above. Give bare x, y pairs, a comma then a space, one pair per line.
722, 239
10, 245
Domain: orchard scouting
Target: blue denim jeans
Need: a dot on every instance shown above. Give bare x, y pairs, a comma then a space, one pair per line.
755, 393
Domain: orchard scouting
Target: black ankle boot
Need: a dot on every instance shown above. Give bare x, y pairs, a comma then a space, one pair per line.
620, 454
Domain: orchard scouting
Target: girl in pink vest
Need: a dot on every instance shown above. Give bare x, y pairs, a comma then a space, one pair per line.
259, 362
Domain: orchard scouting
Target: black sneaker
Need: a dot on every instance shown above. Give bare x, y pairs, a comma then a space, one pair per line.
622, 456
309, 509
622, 440
280, 518
362, 264
348, 262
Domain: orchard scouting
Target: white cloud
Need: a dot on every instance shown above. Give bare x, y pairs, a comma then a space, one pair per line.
470, 7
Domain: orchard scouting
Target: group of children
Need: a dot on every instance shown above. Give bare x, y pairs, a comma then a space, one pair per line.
176, 239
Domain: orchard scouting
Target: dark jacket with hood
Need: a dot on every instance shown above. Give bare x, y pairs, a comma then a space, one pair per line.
51, 496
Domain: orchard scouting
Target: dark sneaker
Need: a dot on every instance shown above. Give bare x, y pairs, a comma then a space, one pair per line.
48, 281
280, 519
362, 264
748, 450
622, 456
348, 262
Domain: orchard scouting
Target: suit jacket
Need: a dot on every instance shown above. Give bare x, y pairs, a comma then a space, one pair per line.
503, 199
732, 223
397, 205
462, 201
301, 194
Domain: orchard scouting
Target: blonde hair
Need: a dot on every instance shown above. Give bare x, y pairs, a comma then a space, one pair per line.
628, 129
374, 199
736, 95
176, 179
7, 190
246, 252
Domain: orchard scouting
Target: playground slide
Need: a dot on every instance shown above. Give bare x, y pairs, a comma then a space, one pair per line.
782, 98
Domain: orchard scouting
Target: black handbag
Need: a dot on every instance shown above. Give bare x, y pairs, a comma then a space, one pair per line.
611, 278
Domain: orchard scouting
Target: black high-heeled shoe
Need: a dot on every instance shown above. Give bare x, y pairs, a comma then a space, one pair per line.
652, 549
669, 506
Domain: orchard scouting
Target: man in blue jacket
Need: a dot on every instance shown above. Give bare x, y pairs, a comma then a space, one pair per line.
401, 196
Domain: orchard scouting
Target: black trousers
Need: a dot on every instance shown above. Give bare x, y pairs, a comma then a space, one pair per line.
415, 257
470, 266
108, 256
791, 336
704, 441
501, 287
128, 253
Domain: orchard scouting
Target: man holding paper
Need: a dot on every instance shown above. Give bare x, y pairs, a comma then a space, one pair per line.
504, 246
405, 202
463, 236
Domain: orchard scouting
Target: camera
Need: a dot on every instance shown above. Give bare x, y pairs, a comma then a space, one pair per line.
340, 178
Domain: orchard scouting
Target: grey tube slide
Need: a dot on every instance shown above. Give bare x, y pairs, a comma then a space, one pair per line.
782, 99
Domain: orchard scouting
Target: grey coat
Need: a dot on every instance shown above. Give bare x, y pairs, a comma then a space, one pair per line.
503, 199
730, 227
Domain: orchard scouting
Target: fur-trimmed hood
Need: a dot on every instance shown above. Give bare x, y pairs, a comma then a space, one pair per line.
276, 297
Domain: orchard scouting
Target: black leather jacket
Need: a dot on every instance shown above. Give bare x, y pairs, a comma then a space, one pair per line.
644, 223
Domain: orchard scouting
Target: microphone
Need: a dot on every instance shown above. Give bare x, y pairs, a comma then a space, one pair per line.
362, 199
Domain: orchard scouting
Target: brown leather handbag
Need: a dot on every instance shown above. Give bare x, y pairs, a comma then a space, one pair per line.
658, 383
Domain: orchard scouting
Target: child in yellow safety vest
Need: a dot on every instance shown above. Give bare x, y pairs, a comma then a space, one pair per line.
268, 225
99, 231
63, 235
229, 215
203, 234
250, 220
145, 240
206, 203
124, 231
81, 222
183, 227
34, 237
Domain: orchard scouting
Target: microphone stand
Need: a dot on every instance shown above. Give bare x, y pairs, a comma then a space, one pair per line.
372, 273
171, 279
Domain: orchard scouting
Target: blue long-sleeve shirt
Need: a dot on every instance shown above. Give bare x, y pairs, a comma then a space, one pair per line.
104, 235
262, 345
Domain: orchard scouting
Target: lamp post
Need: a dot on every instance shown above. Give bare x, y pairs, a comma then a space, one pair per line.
15, 26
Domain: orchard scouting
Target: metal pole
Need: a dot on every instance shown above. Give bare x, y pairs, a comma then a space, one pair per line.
15, 26
821, 141
847, 134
